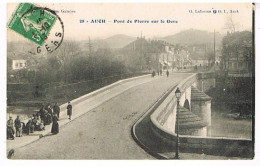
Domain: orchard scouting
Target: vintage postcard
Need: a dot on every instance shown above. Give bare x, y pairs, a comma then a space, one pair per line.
132, 81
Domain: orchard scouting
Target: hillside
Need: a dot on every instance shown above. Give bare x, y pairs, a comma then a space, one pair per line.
119, 41
193, 37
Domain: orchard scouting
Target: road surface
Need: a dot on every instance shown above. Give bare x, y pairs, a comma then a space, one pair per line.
105, 131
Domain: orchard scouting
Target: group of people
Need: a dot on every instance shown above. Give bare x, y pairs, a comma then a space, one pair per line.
49, 114
160, 73
45, 116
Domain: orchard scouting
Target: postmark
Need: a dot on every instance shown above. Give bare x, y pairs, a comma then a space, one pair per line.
40, 25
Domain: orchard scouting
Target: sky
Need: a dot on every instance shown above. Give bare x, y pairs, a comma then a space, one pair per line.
74, 30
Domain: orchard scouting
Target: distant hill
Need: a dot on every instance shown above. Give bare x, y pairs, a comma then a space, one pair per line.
193, 37
113, 42
119, 41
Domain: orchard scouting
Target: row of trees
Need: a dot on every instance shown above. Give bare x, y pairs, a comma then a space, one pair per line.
237, 46
65, 74
68, 65
81, 67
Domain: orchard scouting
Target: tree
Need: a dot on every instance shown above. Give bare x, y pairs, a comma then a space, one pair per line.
236, 44
65, 53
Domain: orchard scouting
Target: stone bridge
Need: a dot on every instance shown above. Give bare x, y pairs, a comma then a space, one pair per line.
194, 121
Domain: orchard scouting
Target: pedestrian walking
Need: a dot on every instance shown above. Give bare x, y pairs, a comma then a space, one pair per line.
167, 73
56, 110
18, 127
55, 125
69, 110
161, 72
153, 73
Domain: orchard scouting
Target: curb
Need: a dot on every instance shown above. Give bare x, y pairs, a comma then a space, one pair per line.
149, 109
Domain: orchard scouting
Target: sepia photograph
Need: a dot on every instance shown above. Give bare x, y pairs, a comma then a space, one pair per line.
130, 81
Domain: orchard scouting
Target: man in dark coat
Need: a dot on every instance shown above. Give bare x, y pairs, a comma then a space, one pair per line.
30, 127
56, 110
45, 112
48, 119
42, 114
34, 119
167, 73
153, 73
55, 125
10, 128
69, 110
50, 112
18, 127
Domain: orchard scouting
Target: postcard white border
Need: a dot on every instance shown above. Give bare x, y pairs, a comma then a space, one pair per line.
4, 161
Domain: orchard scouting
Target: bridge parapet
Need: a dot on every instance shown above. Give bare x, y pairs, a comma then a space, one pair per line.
165, 114
198, 141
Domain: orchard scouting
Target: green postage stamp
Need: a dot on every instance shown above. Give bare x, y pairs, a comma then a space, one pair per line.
32, 22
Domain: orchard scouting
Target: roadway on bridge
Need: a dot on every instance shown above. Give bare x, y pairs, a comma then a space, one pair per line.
105, 131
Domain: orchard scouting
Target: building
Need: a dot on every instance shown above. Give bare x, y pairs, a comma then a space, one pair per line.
166, 58
19, 64
182, 58
239, 65
199, 62
154, 55
199, 55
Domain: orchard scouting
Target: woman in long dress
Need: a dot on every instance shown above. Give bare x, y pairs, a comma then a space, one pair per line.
55, 125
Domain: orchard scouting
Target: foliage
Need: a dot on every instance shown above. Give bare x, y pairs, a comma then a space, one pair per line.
237, 43
65, 74
234, 93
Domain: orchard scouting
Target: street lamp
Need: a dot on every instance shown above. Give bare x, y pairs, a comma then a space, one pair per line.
178, 96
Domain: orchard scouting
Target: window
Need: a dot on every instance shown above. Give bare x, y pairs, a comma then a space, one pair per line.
229, 64
235, 65
240, 64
